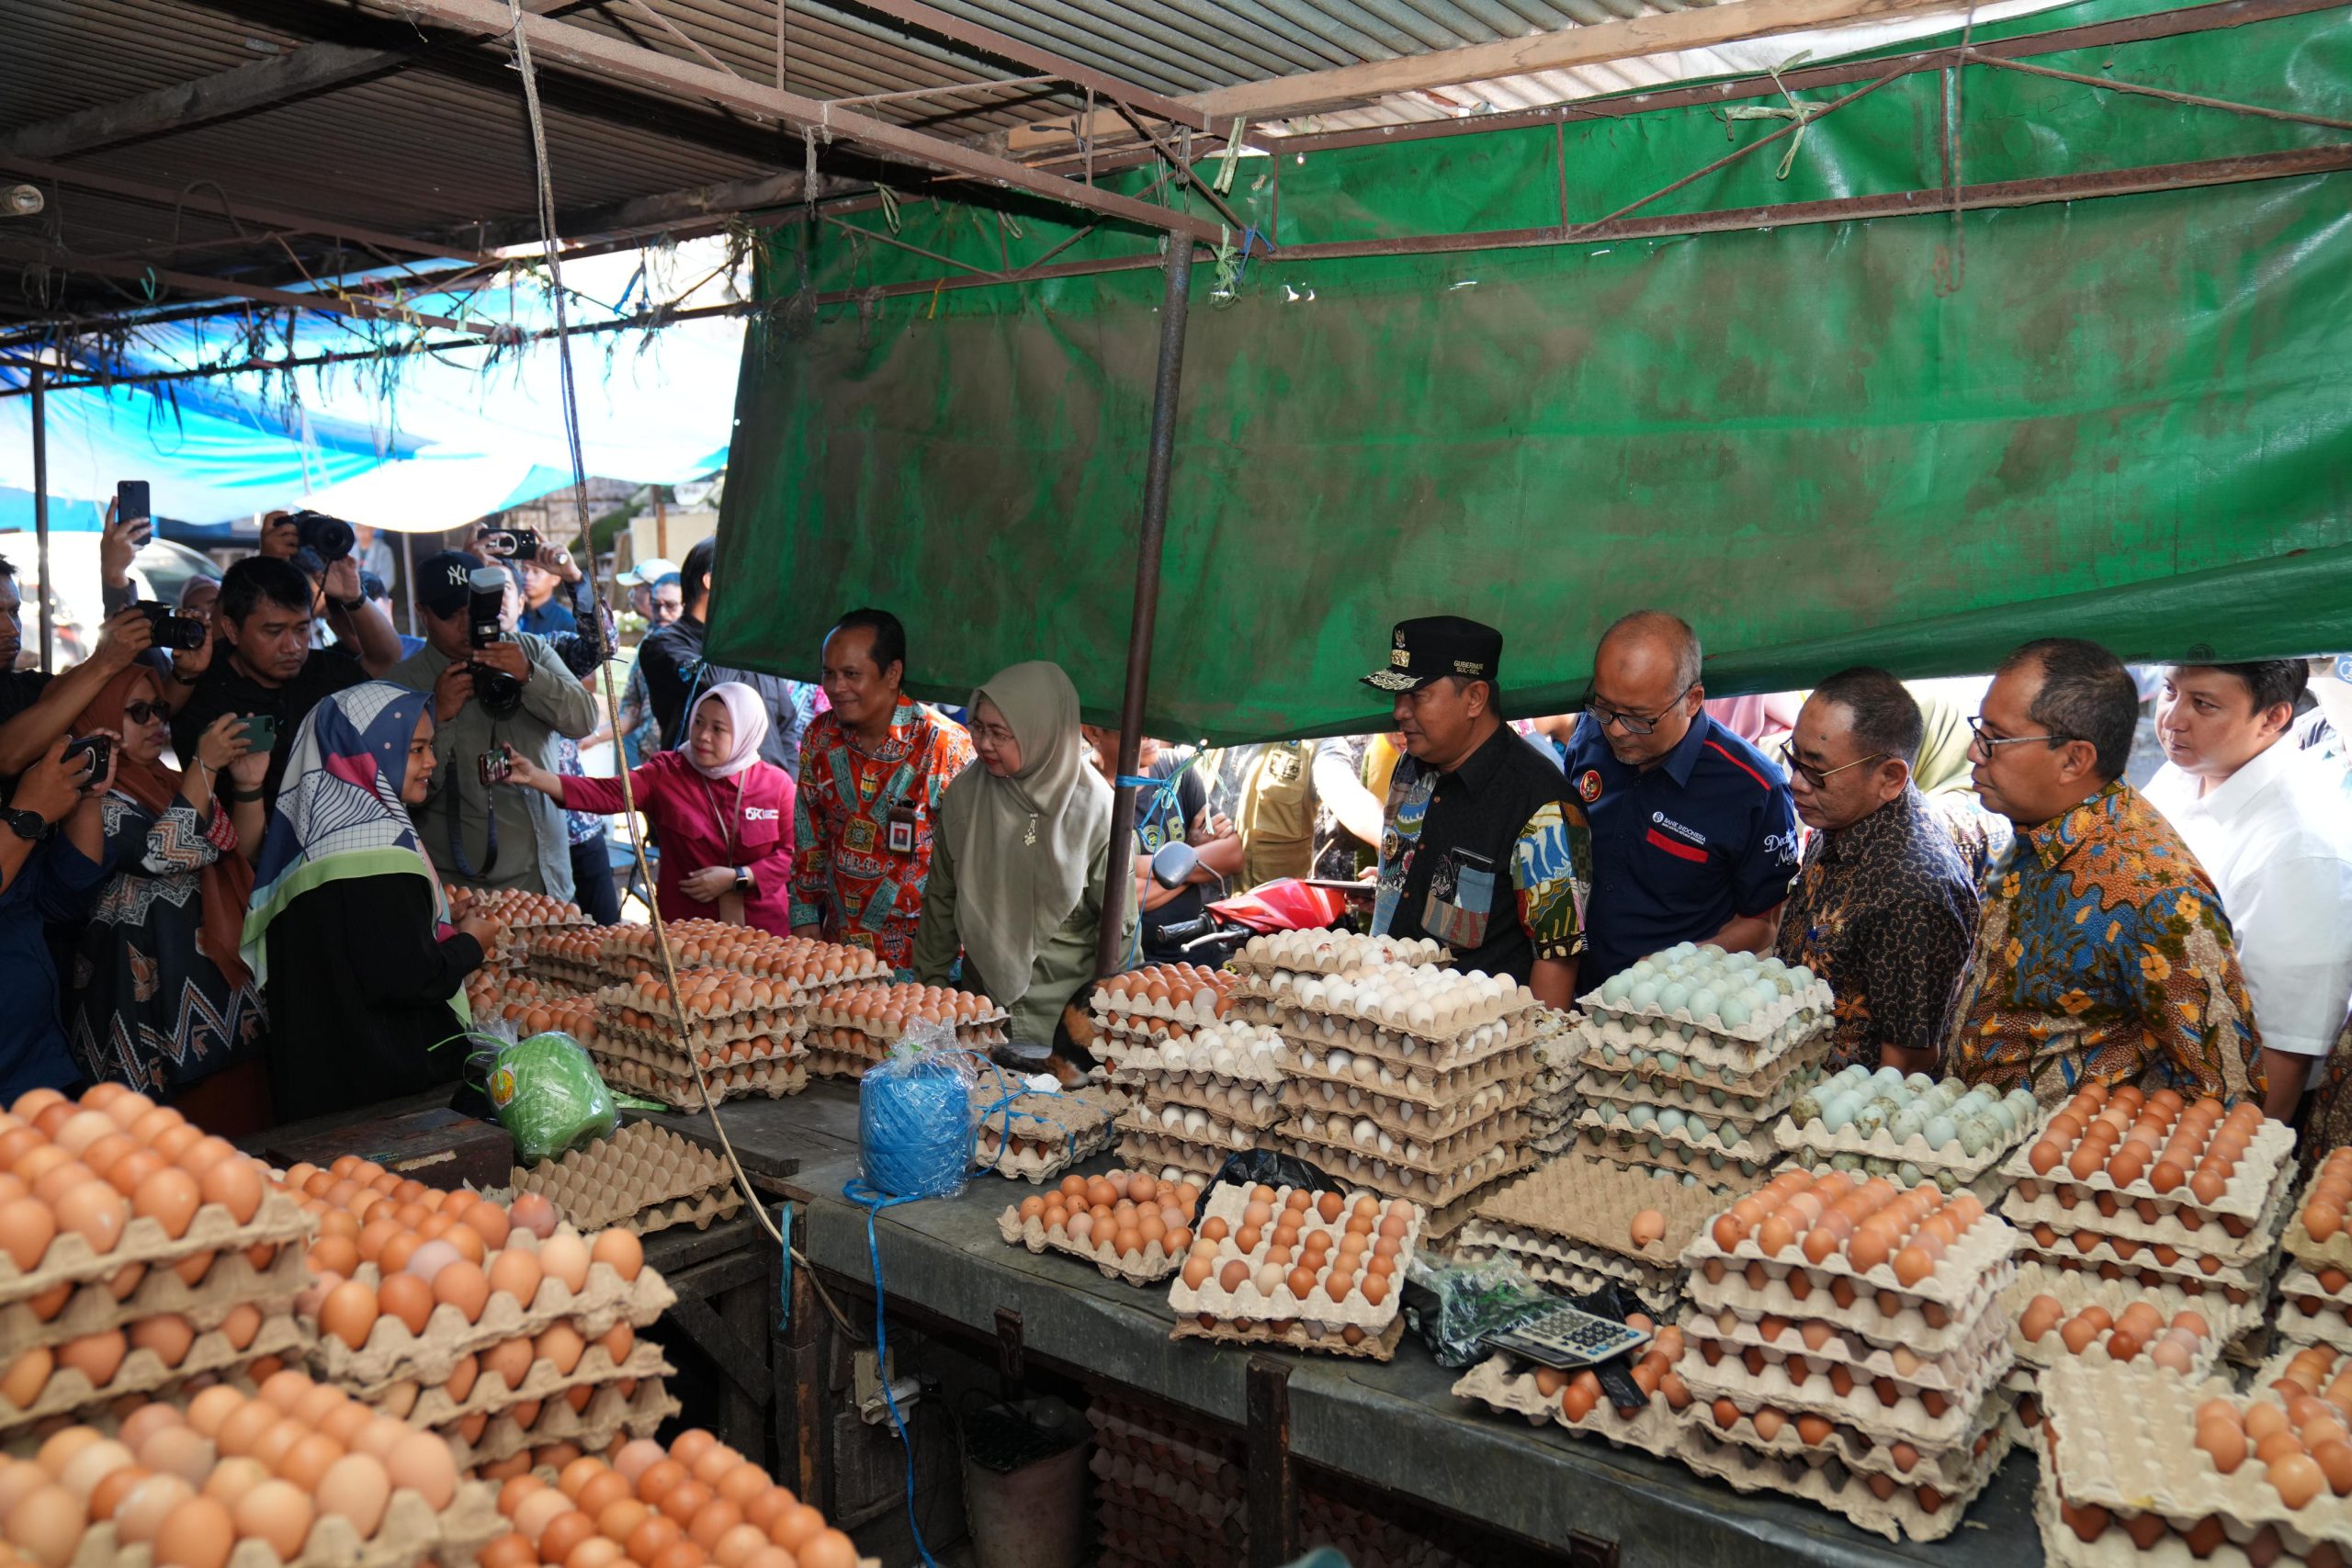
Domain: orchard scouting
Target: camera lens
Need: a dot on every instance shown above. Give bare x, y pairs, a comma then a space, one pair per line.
331, 537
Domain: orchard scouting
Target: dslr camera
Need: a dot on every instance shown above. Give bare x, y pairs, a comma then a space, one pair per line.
509, 544
173, 630
499, 693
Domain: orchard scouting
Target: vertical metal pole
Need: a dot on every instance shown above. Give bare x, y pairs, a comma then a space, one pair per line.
40, 516
408, 576
1109, 953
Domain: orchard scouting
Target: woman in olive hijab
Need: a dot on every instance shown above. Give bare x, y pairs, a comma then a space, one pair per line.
1016, 870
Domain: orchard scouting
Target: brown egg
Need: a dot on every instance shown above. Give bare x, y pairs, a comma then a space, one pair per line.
1647, 1228
407, 1297
349, 1313
45, 1525
93, 1210
196, 1534
95, 1356
2297, 1479
422, 1463
516, 1273
2041, 1315
465, 1287
565, 1258
621, 1250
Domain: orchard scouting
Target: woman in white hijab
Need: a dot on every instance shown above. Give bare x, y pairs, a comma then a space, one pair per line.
1016, 869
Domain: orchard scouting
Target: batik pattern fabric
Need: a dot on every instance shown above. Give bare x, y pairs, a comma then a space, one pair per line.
847, 880
149, 1007
1551, 867
2103, 955
1886, 911
2329, 1125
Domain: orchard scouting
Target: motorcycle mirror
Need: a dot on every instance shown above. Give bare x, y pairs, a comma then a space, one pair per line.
1174, 863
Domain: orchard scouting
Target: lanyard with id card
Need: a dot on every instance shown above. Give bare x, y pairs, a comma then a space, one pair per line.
1460, 900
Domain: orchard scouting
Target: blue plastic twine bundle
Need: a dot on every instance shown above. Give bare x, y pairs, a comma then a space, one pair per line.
915, 1132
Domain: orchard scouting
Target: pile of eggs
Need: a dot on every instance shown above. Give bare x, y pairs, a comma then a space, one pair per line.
2303, 1446
2319, 1371
796, 962
1798, 1213
707, 993
1426, 1000
1769, 1421
1330, 951
1580, 1393
2330, 1194
2129, 1135
2140, 1327
523, 909
89, 1169
1230, 1050
1944, 1113
1361, 1239
1715, 989
888, 1011
1123, 1211
1160, 987
697, 1503
532, 1008
192, 1484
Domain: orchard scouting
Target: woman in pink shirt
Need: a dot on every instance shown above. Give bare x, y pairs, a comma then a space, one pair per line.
724, 817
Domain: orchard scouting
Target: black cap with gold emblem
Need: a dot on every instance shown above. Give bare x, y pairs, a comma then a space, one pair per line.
1434, 647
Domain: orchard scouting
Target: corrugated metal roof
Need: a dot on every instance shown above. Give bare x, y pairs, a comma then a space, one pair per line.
434, 142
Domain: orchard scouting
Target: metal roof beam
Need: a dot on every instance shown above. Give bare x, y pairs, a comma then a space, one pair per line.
932, 19
651, 214
1567, 49
216, 287
301, 223
645, 70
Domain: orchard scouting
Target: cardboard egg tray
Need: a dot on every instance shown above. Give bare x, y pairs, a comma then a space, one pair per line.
1700, 1052
2308, 1316
1883, 1318
1330, 953
2249, 1191
1959, 1275
1152, 1438
2076, 1289
392, 1354
232, 1281
1949, 1468
2114, 1296
1926, 1418
1438, 1194
652, 1050
622, 1013
1227, 1201
1225, 1137
2334, 1252
2142, 1260
696, 944
1149, 1267
1509, 1388
1366, 1540
1591, 1206
2230, 1238
1716, 1171
2050, 1350
1033, 1135
1293, 1334
1403, 1050
144, 1371
1813, 1000
72, 1259
1606, 1053
1253, 1105
1160, 1154
1176, 1492
1184, 1004
1751, 1114
1460, 1009
1759, 1343
620, 1180
1817, 1144
433, 1407
1419, 1083
1533, 1246
1852, 1495
1247, 1064
611, 1415
1140, 1526
1560, 1268
1403, 1120
1435, 1159
2275, 1366
2114, 1547
411, 1533
772, 1079
2197, 1287
1595, 1122
2123, 1442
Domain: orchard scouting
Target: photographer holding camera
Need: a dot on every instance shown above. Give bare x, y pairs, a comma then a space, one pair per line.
493, 688
261, 662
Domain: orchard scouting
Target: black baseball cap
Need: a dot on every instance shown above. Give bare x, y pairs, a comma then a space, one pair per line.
444, 580
1433, 646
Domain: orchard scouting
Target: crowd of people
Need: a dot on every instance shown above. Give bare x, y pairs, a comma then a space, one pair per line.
282, 924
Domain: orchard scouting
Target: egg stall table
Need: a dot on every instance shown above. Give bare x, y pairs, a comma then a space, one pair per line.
1539, 1494
725, 1274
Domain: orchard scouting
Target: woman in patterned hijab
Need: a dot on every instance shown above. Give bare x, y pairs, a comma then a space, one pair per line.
349, 930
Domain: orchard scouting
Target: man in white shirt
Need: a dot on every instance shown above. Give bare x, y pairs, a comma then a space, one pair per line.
2271, 831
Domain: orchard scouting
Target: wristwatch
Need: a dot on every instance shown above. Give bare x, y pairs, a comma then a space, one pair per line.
350, 606
743, 879
31, 826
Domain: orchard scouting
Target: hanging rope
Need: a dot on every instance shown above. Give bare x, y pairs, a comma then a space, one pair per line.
1797, 109
1952, 260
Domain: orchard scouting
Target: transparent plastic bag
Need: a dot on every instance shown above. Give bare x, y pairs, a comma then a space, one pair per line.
915, 1125
1454, 1306
549, 1094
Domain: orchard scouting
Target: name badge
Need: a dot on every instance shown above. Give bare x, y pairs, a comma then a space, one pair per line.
901, 830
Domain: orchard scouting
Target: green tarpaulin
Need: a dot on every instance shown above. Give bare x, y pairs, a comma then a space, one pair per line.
1908, 441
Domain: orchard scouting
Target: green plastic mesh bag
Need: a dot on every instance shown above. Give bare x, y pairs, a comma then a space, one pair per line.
550, 1098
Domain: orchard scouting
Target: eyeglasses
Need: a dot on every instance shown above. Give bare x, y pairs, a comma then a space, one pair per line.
145, 712
1632, 722
1819, 777
1978, 736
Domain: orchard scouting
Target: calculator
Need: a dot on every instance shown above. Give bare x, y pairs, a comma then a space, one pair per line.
1567, 1338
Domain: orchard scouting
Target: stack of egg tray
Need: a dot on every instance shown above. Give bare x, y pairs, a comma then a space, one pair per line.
2124, 1484
1365, 1539
1199, 1095
1569, 1224
1645, 1086
1411, 1081
1268, 959
68, 1344
1033, 1134
1559, 1052
1162, 1002
446, 1379
1261, 1307
2075, 1291
644, 1178
2218, 1254
1879, 1401
1166, 1495
530, 1006
846, 1030
2315, 1282
1869, 1144
1581, 1403
742, 1049
582, 958
526, 920
808, 967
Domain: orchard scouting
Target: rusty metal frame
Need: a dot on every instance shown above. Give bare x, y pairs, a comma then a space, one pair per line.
633, 66
357, 305
932, 19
